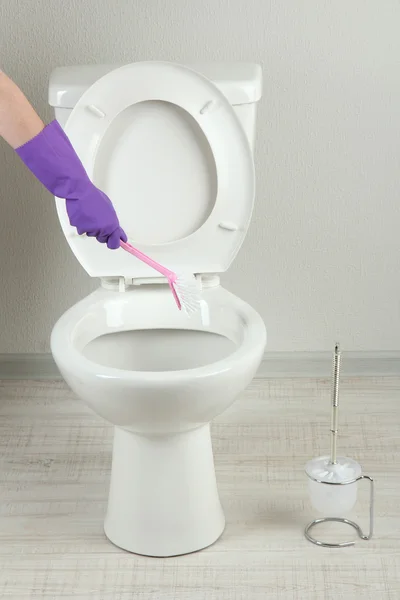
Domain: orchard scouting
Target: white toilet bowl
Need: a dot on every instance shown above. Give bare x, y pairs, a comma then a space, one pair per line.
160, 378
172, 148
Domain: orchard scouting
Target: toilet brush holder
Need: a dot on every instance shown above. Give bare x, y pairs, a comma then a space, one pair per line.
333, 480
333, 492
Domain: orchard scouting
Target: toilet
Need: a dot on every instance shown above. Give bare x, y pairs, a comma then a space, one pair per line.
172, 146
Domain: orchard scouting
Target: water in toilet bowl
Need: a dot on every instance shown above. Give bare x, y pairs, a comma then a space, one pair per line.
158, 349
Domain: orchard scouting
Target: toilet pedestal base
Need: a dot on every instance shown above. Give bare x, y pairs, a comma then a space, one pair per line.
163, 497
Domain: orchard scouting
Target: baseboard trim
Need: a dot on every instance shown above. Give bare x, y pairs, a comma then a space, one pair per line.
274, 365
28, 366
319, 364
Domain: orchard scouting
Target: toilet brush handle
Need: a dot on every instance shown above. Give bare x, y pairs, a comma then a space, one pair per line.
335, 403
170, 275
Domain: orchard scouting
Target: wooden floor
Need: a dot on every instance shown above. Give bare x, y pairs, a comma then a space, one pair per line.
54, 472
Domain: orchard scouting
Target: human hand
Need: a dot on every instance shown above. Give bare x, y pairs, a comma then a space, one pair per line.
93, 213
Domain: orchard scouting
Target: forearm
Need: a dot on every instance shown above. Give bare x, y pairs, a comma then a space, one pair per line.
50, 156
19, 122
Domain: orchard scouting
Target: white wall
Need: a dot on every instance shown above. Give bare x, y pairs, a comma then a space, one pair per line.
322, 257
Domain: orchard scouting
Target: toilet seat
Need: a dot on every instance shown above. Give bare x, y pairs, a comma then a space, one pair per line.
105, 312
96, 131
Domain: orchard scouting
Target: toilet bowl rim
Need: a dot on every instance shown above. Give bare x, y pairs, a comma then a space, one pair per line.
65, 351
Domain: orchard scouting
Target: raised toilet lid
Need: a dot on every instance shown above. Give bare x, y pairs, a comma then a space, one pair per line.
166, 146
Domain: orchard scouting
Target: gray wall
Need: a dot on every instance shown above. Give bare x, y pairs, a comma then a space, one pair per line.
322, 256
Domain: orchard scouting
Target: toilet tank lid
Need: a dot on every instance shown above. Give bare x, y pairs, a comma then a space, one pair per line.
240, 82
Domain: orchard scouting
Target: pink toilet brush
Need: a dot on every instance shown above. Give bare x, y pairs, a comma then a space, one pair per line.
184, 287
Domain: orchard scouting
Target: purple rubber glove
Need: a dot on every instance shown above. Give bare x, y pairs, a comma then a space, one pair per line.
54, 162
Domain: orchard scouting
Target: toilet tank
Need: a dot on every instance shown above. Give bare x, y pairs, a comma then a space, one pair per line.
241, 83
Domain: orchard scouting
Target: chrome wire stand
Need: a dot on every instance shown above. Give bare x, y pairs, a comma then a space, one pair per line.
355, 526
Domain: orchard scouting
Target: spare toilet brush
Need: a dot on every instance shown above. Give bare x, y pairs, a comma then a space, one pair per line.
332, 480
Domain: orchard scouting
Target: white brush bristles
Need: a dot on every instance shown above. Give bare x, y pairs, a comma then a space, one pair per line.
189, 292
